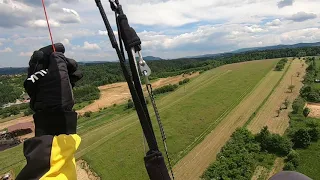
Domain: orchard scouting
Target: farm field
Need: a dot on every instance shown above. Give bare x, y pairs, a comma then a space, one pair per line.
114, 148
193, 164
267, 116
184, 129
118, 93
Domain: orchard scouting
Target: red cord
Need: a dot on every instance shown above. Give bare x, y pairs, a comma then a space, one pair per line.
45, 13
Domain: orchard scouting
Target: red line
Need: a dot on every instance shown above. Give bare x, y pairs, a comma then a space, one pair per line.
45, 13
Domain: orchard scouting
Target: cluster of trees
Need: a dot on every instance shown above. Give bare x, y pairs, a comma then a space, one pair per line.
273, 143
165, 89
238, 158
86, 93
184, 81
15, 109
302, 132
292, 161
310, 91
280, 65
298, 106
11, 89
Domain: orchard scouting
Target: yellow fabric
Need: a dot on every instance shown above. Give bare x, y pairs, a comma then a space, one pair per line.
62, 161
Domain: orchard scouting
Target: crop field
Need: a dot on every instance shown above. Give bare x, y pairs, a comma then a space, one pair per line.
112, 141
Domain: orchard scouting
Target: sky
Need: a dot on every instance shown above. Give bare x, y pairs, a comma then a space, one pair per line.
168, 28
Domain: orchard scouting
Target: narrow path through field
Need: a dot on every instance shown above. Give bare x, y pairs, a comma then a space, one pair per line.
267, 116
194, 164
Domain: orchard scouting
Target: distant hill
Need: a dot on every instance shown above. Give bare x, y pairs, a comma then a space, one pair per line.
281, 46
12, 71
300, 45
152, 58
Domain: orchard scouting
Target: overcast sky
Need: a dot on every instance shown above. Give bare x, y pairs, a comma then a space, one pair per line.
168, 28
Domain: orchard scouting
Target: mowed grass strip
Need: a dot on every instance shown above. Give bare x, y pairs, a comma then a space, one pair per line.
186, 114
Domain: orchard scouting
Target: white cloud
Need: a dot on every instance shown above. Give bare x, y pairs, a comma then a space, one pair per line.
276, 22
13, 13
88, 46
105, 33
69, 16
167, 28
301, 35
1, 44
27, 54
66, 42
43, 23
253, 29
5, 50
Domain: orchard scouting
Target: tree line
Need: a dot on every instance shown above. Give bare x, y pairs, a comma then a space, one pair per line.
280, 65
110, 72
244, 151
311, 90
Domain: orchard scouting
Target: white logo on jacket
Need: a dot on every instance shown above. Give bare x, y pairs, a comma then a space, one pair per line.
34, 76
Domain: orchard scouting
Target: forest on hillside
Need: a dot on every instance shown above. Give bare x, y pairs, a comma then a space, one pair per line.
110, 72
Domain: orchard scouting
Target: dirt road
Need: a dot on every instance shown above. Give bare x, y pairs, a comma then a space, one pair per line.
195, 163
15, 121
118, 93
267, 116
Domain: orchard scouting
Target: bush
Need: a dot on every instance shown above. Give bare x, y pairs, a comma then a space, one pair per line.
289, 167
164, 89
86, 93
293, 157
28, 112
301, 138
130, 104
298, 105
184, 81
314, 134
273, 143
87, 114
306, 112
280, 65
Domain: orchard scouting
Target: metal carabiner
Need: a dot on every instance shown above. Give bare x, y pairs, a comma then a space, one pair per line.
144, 68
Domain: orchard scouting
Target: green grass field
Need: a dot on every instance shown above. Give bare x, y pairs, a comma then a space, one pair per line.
185, 115
112, 141
309, 163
